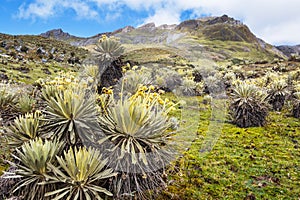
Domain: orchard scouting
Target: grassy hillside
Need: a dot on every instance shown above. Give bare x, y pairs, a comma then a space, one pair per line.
245, 163
27, 58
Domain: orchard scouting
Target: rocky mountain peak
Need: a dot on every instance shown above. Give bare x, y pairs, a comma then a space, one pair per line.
57, 34
225, 20
149, 26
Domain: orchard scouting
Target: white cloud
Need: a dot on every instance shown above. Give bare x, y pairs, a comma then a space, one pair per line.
164, 17
42, 9
49, 8
274, 21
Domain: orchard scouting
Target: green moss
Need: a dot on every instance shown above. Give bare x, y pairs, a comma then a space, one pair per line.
260, 162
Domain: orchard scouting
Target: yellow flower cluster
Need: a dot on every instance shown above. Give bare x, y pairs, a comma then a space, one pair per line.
150, 98
107, 90
103, 38
127, 68
62, 81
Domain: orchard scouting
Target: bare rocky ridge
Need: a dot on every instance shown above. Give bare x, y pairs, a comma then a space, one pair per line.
288, 50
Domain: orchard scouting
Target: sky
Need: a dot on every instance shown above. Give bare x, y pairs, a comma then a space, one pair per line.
275, 21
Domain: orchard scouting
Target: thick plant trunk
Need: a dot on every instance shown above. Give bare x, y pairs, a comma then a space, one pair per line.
111, 74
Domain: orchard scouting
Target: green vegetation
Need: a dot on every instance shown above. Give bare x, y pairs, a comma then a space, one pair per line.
79, 173
248, 107
27, 58
245, 163
150, 136
33, 158
23, 129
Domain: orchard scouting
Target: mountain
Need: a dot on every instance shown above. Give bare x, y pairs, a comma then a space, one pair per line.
223, 40
217, 38
289, 50
58, 34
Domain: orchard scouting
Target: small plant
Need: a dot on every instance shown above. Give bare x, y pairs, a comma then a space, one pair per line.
277, 94
248, 106
7, 99
23, 129
32, 159
79, 174
25, 104
188, 87
296, 105
214, 84
133, 79
91, 75
108, 49
70, 115
166, 79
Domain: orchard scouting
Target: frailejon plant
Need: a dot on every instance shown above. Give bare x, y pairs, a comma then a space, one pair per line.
108, 52
31, 168
70, 116
133, 79
296, 105
79, 174
166, 79
23, 129
25, 103
136, 138
108, 49
188, 87
90, 75
248, 106
7, 99
277, 93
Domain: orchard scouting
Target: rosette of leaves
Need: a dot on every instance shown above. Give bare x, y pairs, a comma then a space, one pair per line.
90, 74
277, 94
23, 129
79, 174
7, 99
188, 87
214, 84
132, 80
167, 79
296, 105
136, 138
71, 116
25, 103
49, 91
108, 49
248, 106
32, 160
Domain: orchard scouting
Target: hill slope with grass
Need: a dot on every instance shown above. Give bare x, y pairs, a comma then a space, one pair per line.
26, 58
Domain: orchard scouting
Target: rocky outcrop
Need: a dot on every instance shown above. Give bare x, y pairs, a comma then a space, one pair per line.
57, 34
289, 50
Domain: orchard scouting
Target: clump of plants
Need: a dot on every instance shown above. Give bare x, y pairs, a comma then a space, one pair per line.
82, 145
248, 105
296, 105
7, 98
133, 78
277, 93
137, 129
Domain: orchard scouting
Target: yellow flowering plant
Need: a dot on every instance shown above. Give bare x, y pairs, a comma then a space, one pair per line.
137, 130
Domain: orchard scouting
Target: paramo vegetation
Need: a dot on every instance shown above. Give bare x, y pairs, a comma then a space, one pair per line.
75, 137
